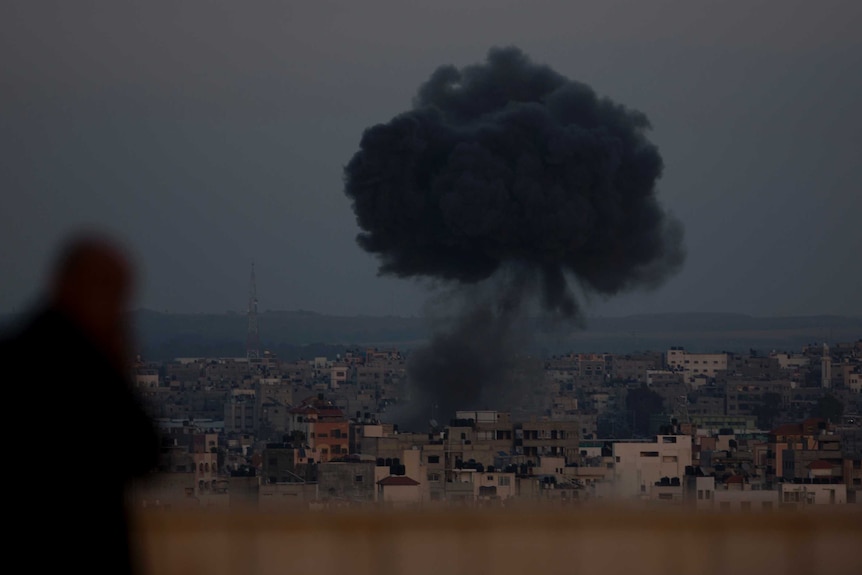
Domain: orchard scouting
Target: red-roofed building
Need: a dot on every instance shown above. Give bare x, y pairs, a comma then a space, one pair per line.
324, 426
397, 480
399, 490
735, 482
791, 436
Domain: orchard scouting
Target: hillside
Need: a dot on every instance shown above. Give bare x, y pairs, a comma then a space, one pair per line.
301, 333
296, 334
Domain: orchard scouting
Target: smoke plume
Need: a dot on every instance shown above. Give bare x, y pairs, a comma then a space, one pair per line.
508, 174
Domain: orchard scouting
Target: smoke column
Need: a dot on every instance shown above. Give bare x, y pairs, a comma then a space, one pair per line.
509, 184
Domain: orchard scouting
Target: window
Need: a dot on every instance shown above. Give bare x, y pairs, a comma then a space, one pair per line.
670, 439
700, 493
668, 459
503, 481
433, 459
357, 479
767, 505
649, 453
724, 505
665, 496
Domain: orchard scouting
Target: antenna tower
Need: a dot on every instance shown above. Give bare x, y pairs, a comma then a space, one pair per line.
252, 342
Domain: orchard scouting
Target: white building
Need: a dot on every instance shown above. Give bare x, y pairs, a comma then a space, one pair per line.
694, 365
791, 361
638, 466
743, 498
813, 493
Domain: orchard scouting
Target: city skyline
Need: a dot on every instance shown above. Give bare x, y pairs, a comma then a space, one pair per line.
208, 139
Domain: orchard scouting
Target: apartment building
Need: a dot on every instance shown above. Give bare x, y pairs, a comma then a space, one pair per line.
639, 465
734, 495
693, 365
795, 495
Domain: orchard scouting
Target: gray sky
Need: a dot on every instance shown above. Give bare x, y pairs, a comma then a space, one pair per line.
211, 133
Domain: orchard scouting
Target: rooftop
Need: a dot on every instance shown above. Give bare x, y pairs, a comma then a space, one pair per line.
397, 480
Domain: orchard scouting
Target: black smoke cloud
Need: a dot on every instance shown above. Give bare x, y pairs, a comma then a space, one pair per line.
507, 169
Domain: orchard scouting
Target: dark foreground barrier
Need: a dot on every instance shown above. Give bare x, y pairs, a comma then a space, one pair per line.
523, 542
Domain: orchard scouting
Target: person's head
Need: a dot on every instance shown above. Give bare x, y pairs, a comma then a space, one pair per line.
93, 282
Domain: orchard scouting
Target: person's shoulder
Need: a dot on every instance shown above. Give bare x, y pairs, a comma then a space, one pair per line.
7, 343
43, 330
13, 335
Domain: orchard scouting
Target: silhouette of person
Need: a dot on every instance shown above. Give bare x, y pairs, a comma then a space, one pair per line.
84, 433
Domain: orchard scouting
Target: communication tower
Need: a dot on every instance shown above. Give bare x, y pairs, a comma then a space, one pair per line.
252, 342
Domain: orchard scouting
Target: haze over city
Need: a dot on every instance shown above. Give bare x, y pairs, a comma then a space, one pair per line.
211, 136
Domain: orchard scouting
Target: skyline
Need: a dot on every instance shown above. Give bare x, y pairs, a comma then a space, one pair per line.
208, 139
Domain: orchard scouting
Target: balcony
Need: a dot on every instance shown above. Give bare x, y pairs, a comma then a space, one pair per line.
584, 539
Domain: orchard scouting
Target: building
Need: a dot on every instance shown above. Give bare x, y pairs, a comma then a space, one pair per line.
639, 465
348, 480
322, 426
693, 365
795, 495
733, 496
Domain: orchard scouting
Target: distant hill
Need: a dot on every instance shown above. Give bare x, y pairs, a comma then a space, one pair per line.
290, 334
714, 332
295, 334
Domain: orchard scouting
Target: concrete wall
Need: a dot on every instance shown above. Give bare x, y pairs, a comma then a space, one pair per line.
593, 540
